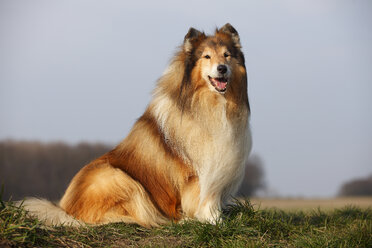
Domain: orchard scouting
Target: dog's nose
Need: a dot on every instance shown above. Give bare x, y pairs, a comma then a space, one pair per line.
222, 69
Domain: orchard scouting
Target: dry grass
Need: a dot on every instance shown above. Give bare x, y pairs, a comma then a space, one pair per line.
311, 204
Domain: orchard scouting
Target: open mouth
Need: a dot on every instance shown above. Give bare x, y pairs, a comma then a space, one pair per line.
219, 84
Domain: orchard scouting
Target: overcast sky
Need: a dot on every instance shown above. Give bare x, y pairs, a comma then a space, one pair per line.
84, 70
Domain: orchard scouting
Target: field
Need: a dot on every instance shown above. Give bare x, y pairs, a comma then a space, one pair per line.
244, 225
325, 204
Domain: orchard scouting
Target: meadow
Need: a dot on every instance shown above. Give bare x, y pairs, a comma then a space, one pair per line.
310, 204
338, 222
243, 225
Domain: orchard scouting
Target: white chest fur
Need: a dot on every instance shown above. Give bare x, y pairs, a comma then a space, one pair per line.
216, 147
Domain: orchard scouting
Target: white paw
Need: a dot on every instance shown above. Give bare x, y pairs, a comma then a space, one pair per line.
209, 215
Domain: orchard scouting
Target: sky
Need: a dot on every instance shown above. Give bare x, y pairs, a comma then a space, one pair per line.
78, 70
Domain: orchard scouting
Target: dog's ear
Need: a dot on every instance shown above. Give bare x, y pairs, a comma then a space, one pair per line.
231, 31
191, 38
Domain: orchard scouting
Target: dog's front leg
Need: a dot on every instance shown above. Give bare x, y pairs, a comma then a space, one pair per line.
209, 210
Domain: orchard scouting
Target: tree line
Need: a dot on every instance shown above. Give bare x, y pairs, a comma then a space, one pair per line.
357, 187
45, 169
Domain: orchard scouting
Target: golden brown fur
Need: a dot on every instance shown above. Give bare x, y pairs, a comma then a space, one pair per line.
185, 155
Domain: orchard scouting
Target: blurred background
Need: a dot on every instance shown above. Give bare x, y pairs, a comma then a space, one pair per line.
75, 75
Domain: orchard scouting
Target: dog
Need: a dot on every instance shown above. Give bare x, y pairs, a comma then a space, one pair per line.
184, 157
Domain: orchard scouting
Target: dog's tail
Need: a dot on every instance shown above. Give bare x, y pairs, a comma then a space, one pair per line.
47, 212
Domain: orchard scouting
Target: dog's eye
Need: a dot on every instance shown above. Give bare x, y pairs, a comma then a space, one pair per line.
207, 56
226, 55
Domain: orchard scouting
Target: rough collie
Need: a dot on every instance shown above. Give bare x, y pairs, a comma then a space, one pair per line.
183, 158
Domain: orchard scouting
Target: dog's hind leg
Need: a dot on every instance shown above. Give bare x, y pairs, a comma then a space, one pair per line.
101, 194
134, 208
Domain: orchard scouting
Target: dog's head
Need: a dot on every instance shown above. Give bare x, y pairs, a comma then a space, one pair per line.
211, 61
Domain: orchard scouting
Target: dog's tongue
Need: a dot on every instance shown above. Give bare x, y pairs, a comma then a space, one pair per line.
220, 84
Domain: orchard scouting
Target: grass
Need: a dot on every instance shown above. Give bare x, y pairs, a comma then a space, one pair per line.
243, 226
